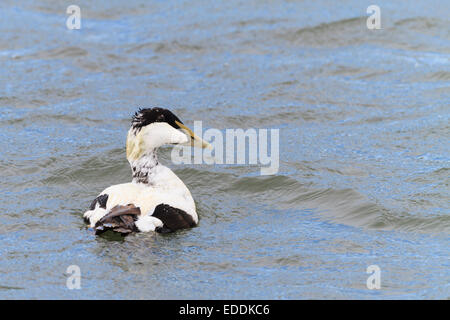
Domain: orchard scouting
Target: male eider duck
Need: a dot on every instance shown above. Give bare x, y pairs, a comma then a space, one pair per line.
156, 199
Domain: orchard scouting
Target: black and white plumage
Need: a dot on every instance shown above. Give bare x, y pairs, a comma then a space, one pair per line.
156, 199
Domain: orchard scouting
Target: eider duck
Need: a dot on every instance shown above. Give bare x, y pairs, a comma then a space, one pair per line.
156, 199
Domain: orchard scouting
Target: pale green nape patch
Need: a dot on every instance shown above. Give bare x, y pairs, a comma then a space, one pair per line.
135, 145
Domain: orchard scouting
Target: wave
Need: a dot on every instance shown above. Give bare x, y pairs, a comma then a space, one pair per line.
345, 206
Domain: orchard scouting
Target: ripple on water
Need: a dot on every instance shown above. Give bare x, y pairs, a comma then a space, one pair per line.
363, 119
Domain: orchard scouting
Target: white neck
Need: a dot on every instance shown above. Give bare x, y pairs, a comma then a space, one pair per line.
144, 168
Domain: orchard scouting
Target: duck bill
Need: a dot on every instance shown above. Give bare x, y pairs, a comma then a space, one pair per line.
195, 140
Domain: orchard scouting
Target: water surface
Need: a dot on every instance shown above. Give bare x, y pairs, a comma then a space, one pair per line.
364, 152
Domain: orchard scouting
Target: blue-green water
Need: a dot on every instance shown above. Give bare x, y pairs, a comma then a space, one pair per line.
364, 147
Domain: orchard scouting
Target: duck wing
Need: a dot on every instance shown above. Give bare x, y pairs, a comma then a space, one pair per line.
119, 219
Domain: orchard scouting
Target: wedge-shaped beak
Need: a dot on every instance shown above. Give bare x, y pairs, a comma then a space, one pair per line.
196, 141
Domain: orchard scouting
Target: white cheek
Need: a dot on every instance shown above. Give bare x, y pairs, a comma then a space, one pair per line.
160, 133
178, 137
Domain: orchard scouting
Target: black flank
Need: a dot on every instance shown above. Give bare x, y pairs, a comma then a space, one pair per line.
101, 200
172, 218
